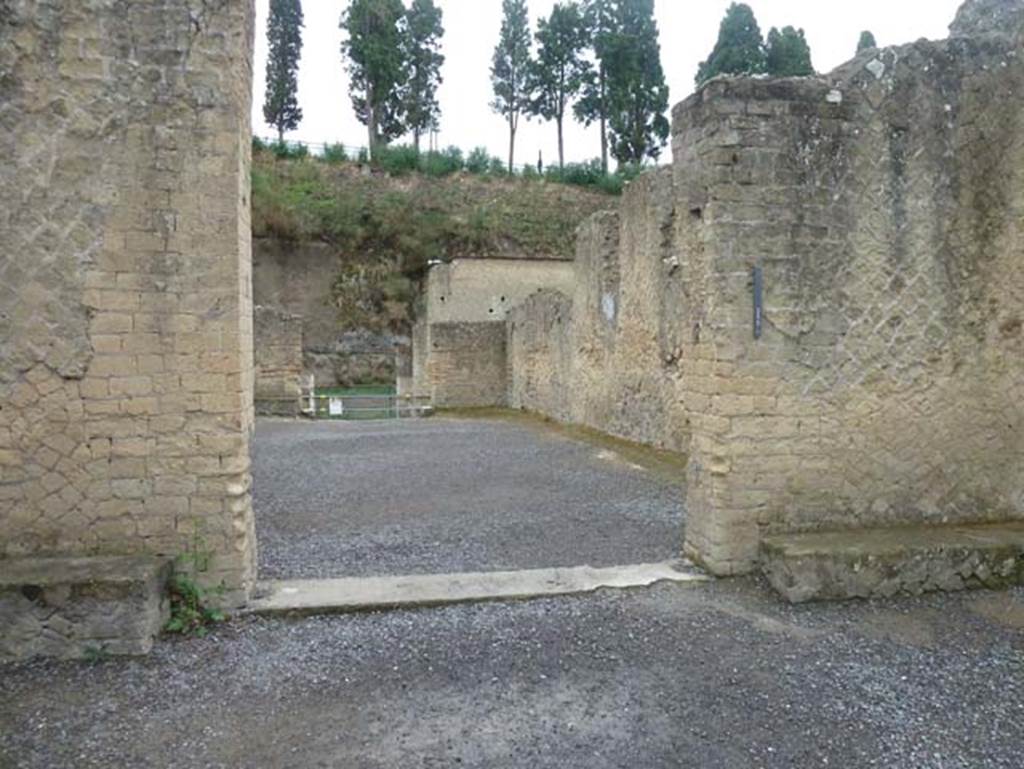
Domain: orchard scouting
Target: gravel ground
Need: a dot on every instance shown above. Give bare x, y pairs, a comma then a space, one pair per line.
446, 495
720, 676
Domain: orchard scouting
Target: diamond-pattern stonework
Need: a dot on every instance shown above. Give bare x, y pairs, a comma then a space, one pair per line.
125, 299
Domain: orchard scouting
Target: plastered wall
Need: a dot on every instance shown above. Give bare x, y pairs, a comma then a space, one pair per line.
126, 372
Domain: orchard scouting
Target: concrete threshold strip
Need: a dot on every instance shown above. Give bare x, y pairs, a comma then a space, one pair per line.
356, 594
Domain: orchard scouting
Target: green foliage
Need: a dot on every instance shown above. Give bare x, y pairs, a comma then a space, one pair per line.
376, 63
739, 50
498, 167
592, 106
289, 150
636, 95
190, 612
787, 53
284, 36
442, 163
479, 161
96, 655
403, 225
560, 69
335, 153
423, 58
867, 41
397, 161
510, 69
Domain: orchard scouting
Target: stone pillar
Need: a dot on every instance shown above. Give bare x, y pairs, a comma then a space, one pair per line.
126, 370
881, 205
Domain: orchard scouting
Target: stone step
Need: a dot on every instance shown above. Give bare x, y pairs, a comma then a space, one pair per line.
883, 562
72, 608
354, 594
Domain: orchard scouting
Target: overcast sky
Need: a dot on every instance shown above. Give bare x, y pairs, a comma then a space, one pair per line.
688, 30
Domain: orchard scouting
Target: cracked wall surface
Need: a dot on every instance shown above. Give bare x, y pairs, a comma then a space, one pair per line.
125, 280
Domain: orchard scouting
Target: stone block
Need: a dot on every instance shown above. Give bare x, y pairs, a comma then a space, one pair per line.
883, 562
71, 608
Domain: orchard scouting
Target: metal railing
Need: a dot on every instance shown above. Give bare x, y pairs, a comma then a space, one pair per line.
355, 407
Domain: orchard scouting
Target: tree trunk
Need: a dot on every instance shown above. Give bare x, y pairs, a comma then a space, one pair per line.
604, 125
280, 135
371, 122
416, 140
604, 145
511, 146
561, 144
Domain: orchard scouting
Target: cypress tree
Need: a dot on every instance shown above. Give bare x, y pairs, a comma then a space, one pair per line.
787, 53
739, 50
424, 59
510, 70
375, 51
560, 68
284, 36
593, 104
637, 92
867, 40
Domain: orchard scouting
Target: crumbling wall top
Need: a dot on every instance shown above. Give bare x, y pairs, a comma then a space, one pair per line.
989, 17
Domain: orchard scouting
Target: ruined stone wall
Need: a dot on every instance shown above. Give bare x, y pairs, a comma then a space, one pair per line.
541, 353
278, 358
126, 369
298, 279
465, 306
484, 290
466, 365
883, 204
613, 349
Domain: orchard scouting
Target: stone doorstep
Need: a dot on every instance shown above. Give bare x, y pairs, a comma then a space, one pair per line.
883, 562
356, 594
71, 607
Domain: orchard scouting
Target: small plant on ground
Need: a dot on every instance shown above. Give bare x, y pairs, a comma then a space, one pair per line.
191, 614
94, 655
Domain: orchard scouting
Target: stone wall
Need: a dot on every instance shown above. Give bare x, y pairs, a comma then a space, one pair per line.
882, 204
880, 207
613, 348
465, 305
466, 365
126, 372
484, 290
298, 278
278, 358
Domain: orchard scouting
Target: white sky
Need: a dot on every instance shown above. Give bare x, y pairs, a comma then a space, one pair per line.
688, 30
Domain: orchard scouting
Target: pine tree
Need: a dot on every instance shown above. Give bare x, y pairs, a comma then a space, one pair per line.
559, 70
510, 70
787, 53
637, 93
424, 59
376, 30
284, 36
593, 104
867, 40
739, 50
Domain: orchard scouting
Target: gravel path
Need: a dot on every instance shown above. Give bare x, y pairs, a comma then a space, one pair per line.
717, 677
444, 495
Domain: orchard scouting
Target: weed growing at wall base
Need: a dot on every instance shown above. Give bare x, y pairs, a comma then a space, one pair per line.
190, 613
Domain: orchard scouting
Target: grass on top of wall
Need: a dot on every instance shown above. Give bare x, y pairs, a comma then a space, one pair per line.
405, 221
